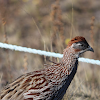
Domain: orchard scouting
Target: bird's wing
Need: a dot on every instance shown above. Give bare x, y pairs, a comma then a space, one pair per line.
15, 89
31, 85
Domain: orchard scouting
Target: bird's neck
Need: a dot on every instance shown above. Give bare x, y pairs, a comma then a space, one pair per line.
69, 55
69, 59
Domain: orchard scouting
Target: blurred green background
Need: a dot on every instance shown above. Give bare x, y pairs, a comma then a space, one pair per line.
49, 25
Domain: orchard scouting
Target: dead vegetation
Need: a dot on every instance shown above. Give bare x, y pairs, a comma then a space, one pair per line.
48, 25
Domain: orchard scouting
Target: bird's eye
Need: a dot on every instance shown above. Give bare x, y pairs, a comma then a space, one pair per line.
79, 44
75, 39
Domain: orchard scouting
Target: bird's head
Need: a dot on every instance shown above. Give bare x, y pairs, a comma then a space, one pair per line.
80, 45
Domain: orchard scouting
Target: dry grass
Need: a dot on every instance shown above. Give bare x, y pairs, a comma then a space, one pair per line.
45, 25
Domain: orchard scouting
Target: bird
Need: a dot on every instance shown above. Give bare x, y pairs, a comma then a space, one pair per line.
52, 82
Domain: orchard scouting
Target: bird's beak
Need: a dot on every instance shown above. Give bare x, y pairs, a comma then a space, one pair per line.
90, 49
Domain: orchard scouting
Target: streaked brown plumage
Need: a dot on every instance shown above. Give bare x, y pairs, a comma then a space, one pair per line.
52, 82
